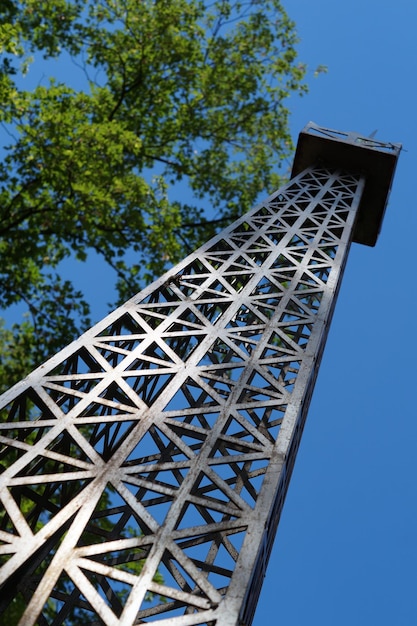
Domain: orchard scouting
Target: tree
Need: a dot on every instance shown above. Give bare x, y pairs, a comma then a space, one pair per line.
168, 94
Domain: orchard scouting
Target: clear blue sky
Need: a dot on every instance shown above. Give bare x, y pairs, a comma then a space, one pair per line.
346, 549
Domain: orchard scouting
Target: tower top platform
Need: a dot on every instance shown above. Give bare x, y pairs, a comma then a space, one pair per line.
354, 153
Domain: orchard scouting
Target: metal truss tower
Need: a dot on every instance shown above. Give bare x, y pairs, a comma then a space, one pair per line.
144, 467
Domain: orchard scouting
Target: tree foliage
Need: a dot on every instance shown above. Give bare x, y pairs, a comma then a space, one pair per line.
162, 96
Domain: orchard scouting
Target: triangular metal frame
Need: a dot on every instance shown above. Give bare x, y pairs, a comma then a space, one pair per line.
145, 466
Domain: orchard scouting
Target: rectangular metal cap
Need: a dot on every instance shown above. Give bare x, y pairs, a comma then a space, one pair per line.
353, 153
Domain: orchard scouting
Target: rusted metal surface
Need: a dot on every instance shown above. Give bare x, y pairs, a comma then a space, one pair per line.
145, 466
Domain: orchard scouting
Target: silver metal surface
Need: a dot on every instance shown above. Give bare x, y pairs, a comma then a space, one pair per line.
144, 467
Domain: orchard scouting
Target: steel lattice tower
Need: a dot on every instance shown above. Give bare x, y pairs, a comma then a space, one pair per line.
144, 467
